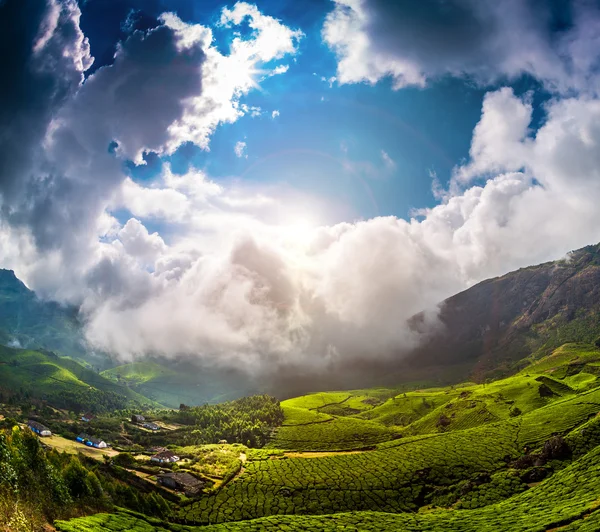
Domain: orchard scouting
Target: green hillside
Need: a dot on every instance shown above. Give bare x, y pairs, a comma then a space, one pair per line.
60, 381
569, 500
520, 453
27, 321
172, 383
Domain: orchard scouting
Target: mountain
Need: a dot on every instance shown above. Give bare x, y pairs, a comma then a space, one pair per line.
29, 322
485, 331
489, 328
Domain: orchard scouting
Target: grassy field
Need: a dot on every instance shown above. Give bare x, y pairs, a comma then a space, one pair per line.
73, 447
471, 457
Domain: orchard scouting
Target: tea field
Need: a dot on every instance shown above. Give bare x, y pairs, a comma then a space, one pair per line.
569, 499
516, 454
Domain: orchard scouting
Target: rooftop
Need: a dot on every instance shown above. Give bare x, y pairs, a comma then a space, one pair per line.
36, 425
184, 479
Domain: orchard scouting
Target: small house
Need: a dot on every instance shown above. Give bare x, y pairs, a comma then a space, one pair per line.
185, 482
222, 441
151, 426
137, 418
38, 428
165, 457
90, 441
87, 417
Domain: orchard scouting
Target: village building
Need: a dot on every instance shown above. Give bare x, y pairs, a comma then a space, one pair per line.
157, 449
90, 441
38, 428
87, 417
222, 441
185, 482
165, 457
151, 426
137, 418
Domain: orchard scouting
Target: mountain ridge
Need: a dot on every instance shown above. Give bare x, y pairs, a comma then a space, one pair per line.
494, 324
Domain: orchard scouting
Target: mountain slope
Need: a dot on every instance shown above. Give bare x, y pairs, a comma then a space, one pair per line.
174, 382
494, 324
527, 470
29, 322
62, 382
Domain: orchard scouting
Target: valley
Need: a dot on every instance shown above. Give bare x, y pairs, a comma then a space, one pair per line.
487, 446
520, 451
325, 266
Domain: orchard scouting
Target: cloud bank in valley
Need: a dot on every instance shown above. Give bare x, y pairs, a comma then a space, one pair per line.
235, 275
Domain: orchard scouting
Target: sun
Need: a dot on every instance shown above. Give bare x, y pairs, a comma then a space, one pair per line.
300, 231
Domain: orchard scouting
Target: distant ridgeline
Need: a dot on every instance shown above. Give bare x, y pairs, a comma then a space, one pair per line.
50, 329
487, 332
27, 375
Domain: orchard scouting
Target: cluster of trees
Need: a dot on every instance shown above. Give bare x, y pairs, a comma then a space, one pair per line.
249, 421
39, 485
75, 398
90, 399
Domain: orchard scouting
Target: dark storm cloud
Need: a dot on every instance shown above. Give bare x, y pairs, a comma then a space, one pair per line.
64, 186
554, 41
35, 81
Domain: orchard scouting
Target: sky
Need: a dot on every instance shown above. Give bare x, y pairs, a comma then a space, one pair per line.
284, 184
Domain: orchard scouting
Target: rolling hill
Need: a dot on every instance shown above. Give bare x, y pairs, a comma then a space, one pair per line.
62, 382
172, 383
28, 322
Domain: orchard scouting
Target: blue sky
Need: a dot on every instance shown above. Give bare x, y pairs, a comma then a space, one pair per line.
328, 138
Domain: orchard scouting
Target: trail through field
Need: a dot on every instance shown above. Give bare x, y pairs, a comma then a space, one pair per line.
321, 454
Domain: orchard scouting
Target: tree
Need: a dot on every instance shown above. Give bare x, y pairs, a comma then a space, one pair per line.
75, 476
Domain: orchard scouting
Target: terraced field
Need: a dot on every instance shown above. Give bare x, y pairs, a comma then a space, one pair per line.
569, 499
467, 458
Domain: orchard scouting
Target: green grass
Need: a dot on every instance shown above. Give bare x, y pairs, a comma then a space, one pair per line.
359, 419
138, 372
569, 499
406, 408
561, 358
317, 400
334, 434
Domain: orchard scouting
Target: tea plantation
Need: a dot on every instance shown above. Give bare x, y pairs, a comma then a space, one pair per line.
516, 454
568, 499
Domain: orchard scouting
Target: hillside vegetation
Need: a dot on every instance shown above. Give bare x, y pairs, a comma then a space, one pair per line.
515, 454
27, 321
172, 383
60, 381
